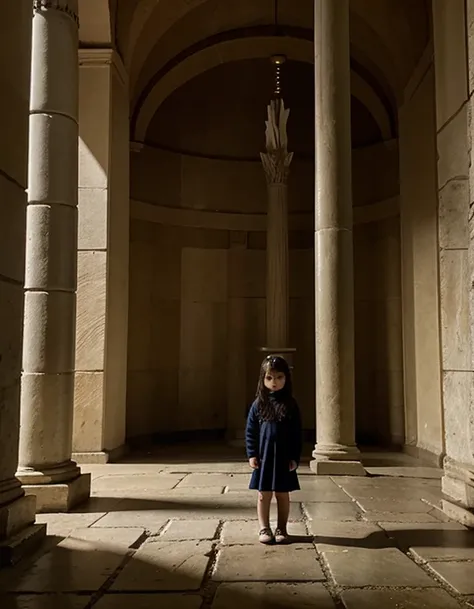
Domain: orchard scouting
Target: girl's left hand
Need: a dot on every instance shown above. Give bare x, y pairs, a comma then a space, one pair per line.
293, 466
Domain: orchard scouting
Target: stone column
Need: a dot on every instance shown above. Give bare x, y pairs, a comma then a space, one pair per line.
17, 512
47, 387
335, 452
276, 163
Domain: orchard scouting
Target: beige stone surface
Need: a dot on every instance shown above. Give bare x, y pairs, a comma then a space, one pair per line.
149, 519
246, 532
342, 536
92, 218
419, 234
51, 227
144, 483
396, 599
454, 272
457, 388
232, 481
64, 524
457, 574
375, 567
88, 411
163, 542
91, 303
400, 516
165, 566
453, 159
79, 563
44, 601
49, 316
269, 563
332, 511
181, 530
447, 541
145, 601
383, 505
449, 30
453, 209
268, 596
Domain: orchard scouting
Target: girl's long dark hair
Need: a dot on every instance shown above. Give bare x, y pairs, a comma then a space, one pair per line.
269, 408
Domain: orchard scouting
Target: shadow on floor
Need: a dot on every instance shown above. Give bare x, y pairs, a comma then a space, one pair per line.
81, 576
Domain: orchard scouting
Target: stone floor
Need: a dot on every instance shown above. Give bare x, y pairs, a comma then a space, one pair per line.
171, 532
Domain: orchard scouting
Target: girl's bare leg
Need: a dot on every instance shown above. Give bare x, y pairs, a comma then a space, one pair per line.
283, 505
263, 509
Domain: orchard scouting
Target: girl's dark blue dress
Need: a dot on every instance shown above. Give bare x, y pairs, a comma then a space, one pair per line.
275, 444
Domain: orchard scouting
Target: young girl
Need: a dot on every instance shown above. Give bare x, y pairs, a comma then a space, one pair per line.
273, 442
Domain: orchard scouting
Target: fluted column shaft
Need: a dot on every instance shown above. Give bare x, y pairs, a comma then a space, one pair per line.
277, 266
335, 450
47, 387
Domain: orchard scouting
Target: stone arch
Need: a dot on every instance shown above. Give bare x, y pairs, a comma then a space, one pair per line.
236, 50
151, 19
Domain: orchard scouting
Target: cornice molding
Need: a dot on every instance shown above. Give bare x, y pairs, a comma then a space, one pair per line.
96, 58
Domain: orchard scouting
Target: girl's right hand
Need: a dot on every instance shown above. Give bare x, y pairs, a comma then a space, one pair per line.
253, 462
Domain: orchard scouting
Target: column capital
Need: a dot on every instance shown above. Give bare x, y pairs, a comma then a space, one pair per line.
276, 161
97, 58
70, 8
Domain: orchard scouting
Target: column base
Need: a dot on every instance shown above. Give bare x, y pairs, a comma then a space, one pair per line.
19, 536
16, 516
100, 457
458, 485
21, 545
60, 497
337, 460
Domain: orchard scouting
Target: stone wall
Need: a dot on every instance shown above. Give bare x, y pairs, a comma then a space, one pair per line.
103, 258
197, 292
419, 211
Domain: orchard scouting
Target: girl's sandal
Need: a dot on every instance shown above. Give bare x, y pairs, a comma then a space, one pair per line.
281, 536
265, 536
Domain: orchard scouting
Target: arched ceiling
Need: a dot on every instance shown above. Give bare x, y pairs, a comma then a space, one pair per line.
164, 43
221, 112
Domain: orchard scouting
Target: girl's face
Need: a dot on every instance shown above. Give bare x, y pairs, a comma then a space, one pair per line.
274, 381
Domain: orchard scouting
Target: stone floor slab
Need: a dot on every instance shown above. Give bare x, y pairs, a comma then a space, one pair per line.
235, 481
272, 596
246, 533
116, 484
332, 511
117, 541
182, 530
165, 566
406, 472
230, 506
63, 524
149, 601
44, 601
399, 599
80, 563
342, 536
388, 493
383, 505
268, 563
399, 517
380, 567
433, 542
151, 520
331, 495
459, 575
